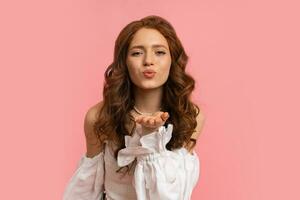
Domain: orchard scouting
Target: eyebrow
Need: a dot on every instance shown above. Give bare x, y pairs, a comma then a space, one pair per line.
142, 47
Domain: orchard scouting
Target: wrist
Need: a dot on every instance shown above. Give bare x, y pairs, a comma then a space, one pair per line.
147, 130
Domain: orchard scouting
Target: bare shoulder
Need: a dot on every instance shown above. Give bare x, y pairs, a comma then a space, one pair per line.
91, 114
200, 123
90, 119
92, 142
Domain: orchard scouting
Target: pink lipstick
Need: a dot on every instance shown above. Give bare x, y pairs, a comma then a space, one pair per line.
149, 73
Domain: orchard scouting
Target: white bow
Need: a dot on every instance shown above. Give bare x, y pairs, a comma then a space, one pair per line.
138, 146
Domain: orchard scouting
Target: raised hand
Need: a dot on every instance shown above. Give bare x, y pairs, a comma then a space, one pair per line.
153, 122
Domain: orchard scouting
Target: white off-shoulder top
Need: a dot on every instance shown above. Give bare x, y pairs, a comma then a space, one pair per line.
159, 174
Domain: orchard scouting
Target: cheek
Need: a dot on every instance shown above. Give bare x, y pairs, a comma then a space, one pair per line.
165, 73
165, 67
166, 63
132, 72
131, 66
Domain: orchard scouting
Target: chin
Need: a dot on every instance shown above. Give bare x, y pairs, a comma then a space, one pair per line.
149, 86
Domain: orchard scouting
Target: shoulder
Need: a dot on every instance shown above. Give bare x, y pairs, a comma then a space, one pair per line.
200, 118
200, 123
91, 117
91, 113
93, 144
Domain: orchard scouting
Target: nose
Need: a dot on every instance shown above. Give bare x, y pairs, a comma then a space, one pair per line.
148, 59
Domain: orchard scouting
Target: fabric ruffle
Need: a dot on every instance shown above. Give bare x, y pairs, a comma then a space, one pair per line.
160, 173
139, 147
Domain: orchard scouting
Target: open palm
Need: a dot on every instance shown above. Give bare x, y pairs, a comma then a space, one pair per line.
154, 121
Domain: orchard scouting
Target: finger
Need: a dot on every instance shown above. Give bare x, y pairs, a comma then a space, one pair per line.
158, 120
148, 120
138, 119
166, 113
165, 116
151, 121
158, 114
145, 119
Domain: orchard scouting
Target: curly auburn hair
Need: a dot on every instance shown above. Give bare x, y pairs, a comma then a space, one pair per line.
118, 99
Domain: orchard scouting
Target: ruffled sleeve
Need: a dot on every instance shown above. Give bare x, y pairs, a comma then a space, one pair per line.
160, 173
87, 182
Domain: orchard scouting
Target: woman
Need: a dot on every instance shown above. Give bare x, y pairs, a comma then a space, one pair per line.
140, 139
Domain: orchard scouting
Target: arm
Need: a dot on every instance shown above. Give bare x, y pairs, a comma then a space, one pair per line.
160, 173
93, 145
87, 181
200, 123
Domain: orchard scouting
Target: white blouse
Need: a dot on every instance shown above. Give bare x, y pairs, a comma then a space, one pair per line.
159, 174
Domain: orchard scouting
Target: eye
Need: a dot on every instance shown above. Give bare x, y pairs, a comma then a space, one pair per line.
135, 53
161, 52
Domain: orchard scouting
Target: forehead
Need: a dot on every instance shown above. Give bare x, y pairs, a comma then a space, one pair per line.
148, 37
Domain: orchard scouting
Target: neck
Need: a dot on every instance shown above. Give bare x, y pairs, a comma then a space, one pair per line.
149, 100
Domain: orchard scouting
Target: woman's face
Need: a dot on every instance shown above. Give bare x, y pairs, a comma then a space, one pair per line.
148, 50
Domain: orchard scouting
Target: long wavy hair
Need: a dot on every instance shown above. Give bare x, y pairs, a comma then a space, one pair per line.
118, 99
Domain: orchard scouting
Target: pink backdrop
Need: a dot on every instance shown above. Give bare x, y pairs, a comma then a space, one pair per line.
244, 56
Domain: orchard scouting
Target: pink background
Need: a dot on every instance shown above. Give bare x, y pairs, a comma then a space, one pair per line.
244, 56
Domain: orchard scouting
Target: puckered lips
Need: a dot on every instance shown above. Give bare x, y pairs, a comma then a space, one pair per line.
149, 73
